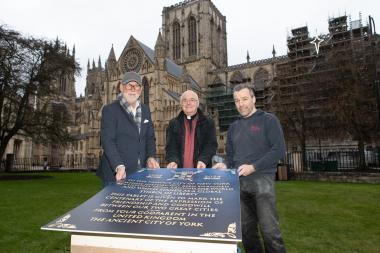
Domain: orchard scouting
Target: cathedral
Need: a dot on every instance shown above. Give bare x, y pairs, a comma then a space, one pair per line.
190, 53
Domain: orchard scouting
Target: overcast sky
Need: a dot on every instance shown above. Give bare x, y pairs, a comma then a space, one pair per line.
94, 25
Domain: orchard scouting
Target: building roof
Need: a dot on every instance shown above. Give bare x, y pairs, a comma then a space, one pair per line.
172, 68
194, 84
177, 71
250, 64
173, 94
147, 50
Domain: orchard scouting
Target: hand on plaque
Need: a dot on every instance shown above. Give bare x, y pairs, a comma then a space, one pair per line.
120, 173
172, 165
201, 165
246, 169
219, 166
152, 163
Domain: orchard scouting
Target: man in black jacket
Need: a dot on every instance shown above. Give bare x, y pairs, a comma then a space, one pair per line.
255, 144
190, 137
127, 133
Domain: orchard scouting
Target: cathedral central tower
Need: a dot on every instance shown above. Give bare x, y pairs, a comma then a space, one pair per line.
194, 33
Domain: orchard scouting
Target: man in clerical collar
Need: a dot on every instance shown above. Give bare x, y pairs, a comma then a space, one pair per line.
190, 137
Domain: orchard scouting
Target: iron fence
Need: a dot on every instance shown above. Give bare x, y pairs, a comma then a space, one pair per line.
333, 159
313, 159
12, 164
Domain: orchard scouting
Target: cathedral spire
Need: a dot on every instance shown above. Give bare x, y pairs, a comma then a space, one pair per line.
274, 52
185, 76
56, 43
99, 63
159, 41
248, 58
159, 48
74, 51
88, 65
111, 55
93, 63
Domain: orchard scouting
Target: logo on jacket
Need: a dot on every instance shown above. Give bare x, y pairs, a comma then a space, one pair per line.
255, 129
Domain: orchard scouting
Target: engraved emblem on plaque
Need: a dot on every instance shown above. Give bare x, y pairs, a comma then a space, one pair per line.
60, 223
184, 175
231, 232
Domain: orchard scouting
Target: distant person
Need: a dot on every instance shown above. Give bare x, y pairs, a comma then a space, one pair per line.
190, 137
127, 133
45, 164
255, 144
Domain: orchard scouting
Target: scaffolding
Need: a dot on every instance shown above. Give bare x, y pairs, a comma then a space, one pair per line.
304, 82
220, 100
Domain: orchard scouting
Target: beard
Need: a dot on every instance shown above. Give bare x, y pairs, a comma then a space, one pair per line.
131, 98
245, 112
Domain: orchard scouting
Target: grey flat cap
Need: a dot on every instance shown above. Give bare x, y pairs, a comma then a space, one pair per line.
131, 76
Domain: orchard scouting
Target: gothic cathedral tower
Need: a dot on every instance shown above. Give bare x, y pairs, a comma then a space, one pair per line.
195, 37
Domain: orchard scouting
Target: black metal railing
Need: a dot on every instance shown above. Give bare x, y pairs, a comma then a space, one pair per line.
313, 159
40, 164
333, 159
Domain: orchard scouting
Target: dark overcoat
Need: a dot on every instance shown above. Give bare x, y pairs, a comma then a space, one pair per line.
205, 140
121, 141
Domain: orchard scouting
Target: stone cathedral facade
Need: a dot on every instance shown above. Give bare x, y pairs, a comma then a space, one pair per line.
190, 53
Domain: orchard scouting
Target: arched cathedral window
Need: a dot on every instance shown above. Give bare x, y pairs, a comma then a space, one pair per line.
176, 41
146, 91
192, 36
260, 79
63, 84
236, 78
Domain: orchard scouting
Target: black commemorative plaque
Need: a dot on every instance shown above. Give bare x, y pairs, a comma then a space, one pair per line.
199, 204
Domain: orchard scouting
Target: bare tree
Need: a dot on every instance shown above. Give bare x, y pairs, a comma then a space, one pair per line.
300, 97
29, 67
330, 95
353, 102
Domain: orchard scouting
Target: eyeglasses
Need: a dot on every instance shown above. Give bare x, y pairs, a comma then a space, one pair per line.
191, 100
132, 87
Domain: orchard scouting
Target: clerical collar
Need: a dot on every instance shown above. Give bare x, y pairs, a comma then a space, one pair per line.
190, 117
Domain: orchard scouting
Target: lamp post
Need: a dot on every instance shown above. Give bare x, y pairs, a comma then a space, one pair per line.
376, 82
378, 101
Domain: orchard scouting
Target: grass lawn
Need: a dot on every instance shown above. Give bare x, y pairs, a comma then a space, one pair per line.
26, 205
314, 216
329, 217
